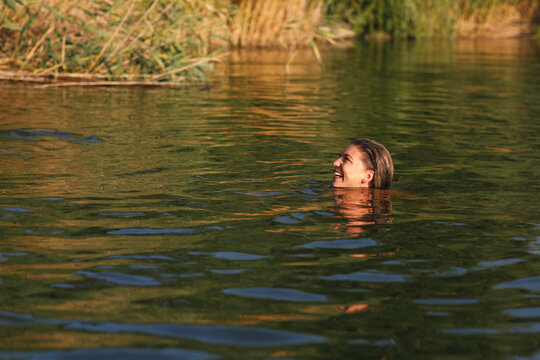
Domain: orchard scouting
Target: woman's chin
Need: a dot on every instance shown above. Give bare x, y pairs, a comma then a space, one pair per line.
338, 182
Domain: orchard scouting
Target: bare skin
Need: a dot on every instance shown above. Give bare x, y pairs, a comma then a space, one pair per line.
349, 169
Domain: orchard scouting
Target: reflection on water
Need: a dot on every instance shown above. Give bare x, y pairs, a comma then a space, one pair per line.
199, 223
362, 207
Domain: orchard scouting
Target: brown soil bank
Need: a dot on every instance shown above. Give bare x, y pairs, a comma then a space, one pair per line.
501, 20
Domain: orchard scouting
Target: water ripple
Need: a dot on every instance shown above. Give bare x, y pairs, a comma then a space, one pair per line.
275, 294
227, 271
17, 209
382, 342
32, 135
4, 255
134, 213
527, 329
112, 354
119, 278
90, 139
229, 255
163, 231
523, 312
140, 257
213, 334
486, 264
471, 331
530, 283
368, 276
144, 231
340, 244
438, 302
286, 220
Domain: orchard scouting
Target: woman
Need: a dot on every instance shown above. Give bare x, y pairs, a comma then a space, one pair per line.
364, 163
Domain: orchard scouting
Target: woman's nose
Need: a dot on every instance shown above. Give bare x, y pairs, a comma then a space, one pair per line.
337, 162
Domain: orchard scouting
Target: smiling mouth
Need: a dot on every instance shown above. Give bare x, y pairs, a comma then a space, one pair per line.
339, 175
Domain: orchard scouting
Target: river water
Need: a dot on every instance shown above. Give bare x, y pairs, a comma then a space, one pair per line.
198, 223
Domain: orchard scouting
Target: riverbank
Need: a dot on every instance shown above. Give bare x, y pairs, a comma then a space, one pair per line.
164, 43
502, 21
442, 19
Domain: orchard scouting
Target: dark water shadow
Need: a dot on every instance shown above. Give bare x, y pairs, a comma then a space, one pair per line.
212, 334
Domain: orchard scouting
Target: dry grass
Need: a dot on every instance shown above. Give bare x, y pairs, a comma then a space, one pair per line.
283, 23
438, 18
123, 41
100, 37
156, 41
498, 19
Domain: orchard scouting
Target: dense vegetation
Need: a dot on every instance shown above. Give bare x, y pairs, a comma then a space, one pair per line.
143, 40
435, 18
152, 41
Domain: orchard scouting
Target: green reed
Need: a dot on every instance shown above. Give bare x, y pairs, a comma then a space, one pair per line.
163, 40
176, 40
424, 18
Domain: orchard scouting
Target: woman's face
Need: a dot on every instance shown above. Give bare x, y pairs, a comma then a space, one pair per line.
349, 169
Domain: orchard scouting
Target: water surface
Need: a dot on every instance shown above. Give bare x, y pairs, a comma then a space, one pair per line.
198, 223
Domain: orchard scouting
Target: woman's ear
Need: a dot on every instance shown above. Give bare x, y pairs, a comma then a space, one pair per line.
370, 174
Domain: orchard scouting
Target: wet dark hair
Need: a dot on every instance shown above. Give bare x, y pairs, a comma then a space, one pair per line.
377, 159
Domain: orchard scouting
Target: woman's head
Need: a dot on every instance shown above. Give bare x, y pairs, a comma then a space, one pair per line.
364, 163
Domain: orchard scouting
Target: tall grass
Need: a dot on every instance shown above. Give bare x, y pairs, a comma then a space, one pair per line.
497, 18
164, 40
275, 23
430, 18
175, 40
371, 17
153, 40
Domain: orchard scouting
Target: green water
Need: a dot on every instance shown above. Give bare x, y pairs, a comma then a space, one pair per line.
198, 223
